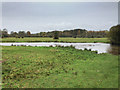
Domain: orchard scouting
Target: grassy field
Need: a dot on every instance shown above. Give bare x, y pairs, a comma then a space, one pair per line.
75, 40
56, 67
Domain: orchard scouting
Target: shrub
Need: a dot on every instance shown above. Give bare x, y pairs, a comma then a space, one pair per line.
114, 35
56, 35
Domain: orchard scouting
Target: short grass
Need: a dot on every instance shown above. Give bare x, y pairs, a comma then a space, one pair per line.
57, 67
70, 40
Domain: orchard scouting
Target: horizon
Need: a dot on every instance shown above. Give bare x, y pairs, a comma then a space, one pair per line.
50, 16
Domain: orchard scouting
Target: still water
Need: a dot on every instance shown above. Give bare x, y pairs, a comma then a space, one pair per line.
100, 47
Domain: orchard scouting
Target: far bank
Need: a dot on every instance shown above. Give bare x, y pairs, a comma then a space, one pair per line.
46, 39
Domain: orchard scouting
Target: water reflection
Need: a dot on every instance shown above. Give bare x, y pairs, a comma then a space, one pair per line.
114, 49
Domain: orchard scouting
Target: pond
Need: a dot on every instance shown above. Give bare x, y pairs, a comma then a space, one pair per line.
100, 47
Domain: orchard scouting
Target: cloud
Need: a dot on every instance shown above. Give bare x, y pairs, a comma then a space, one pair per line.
40, 17
60, 0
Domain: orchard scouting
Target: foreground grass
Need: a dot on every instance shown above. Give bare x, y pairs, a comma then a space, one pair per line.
56, 67
80, 40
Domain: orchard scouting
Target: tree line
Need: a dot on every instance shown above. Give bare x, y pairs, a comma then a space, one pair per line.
113, 34
76, 33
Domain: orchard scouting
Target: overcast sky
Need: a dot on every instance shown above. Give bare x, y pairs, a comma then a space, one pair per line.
49, 16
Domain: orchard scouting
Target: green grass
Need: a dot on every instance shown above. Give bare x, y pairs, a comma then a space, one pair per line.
75, 40
57, 67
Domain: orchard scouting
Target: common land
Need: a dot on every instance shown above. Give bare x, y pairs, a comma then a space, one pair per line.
57, 67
